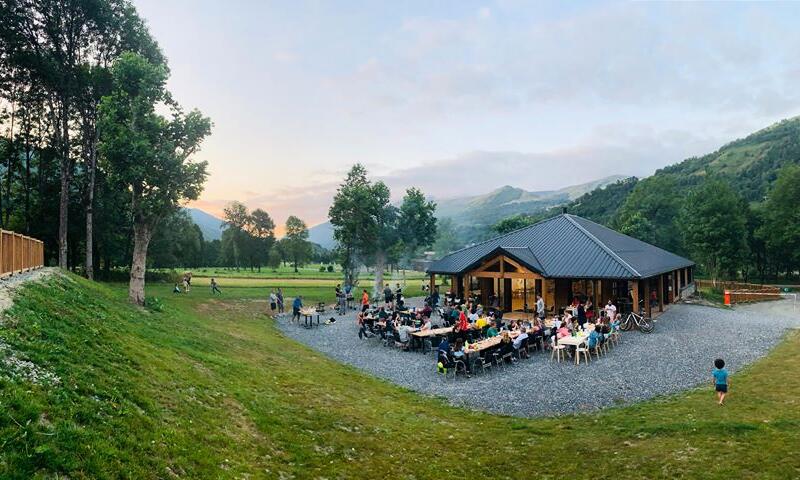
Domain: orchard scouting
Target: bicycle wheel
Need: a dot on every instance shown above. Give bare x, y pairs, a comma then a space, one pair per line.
626, 324
646, 325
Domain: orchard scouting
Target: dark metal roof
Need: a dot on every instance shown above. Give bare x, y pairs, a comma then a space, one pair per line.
567, 246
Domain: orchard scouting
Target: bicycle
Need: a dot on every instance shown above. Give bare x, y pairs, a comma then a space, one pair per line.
636, 320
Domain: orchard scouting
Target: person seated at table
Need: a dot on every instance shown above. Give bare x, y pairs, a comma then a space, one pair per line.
479, 310
426, 310
523, 335
462, 326
595, 338
506, 345
481, 322
616, 322
537, 330
589, 308
444, 345
454, 314
492, 330
404, 332
513, 326
473, 317
563, 331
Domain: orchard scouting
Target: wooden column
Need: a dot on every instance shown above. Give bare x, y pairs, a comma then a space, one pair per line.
661, 293
433, 283
634, 286
466, 288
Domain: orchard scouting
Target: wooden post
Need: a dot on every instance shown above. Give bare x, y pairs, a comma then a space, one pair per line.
661, 293
433, 283
635, 295
466, 287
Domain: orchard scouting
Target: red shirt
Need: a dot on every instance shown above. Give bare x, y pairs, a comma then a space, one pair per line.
365, 299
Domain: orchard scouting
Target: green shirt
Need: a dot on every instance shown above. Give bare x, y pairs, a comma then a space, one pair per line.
491, 332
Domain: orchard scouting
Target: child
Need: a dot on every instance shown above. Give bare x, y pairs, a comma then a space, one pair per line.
177, 289
720, 379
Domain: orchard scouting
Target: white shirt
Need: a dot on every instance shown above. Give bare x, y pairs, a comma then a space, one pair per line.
540, 306
611, 311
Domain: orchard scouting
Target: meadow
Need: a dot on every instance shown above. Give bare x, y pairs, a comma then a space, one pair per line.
208, 387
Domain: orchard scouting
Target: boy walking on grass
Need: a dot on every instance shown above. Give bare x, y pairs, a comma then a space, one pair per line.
720, 379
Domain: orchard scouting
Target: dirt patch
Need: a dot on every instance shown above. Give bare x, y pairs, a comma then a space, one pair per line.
241, 427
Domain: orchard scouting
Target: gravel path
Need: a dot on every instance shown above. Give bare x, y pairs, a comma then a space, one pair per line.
678, 355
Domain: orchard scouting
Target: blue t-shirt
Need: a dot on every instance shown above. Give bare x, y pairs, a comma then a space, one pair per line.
720, 376
297, 303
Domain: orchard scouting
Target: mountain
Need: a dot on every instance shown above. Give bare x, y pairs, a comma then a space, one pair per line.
485, 210
322, 235
472, 215
210, 225
750, 165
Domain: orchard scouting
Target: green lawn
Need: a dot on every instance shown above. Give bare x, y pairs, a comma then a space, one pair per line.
311, 271
209, 388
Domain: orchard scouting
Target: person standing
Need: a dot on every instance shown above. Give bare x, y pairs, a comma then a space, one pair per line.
721, 382
273, 300
540, 307
435, 297
297, 304
611, 310
281, 305
364, 301
215, 287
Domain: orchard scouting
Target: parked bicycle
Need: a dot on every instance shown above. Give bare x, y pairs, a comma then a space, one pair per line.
637, 320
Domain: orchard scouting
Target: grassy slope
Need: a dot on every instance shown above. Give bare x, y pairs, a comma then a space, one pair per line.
210, 389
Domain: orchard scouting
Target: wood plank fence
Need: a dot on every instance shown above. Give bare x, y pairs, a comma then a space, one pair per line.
740, 292
19, 253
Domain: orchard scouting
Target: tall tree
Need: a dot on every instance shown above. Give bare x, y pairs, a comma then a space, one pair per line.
236, 237
781, 223
263, 232
416, 224
149, 155
713, 223
354, 215
296, 243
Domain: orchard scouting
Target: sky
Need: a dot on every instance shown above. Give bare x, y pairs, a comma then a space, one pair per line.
461, 97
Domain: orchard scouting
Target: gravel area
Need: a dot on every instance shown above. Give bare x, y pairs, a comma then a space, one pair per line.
676, 356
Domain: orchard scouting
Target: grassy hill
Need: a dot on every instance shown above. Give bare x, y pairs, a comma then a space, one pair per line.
209, 388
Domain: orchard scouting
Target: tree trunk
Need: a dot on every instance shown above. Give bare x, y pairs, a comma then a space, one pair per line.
380, 266
63, 205
141, 239
91, 168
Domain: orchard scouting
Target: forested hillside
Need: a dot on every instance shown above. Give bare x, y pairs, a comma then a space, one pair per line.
660, 209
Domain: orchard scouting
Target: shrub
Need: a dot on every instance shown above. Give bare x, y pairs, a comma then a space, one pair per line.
154, 304
330, 268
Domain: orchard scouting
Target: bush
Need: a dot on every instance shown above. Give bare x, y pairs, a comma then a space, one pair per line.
330, 268
154, 304
322, 268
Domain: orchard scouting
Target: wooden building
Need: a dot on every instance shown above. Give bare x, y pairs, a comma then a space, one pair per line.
563, 257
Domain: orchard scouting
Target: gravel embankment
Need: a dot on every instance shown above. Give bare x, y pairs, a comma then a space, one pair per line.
678, 355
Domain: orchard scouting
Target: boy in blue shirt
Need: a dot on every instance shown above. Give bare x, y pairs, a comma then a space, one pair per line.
720, 379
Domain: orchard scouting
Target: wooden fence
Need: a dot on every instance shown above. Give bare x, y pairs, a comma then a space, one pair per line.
19, 253
740, 292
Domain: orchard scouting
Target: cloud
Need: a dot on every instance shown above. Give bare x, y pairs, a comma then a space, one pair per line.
643, 55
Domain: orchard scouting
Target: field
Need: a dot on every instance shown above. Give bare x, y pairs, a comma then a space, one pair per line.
209, 388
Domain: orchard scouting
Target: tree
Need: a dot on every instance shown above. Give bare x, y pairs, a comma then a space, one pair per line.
235, 238
446, 237
713, 223
262, 229
781, 221
514, 222
354, 215
650, 211
417, 223
149, 155
296, 243
55, 42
